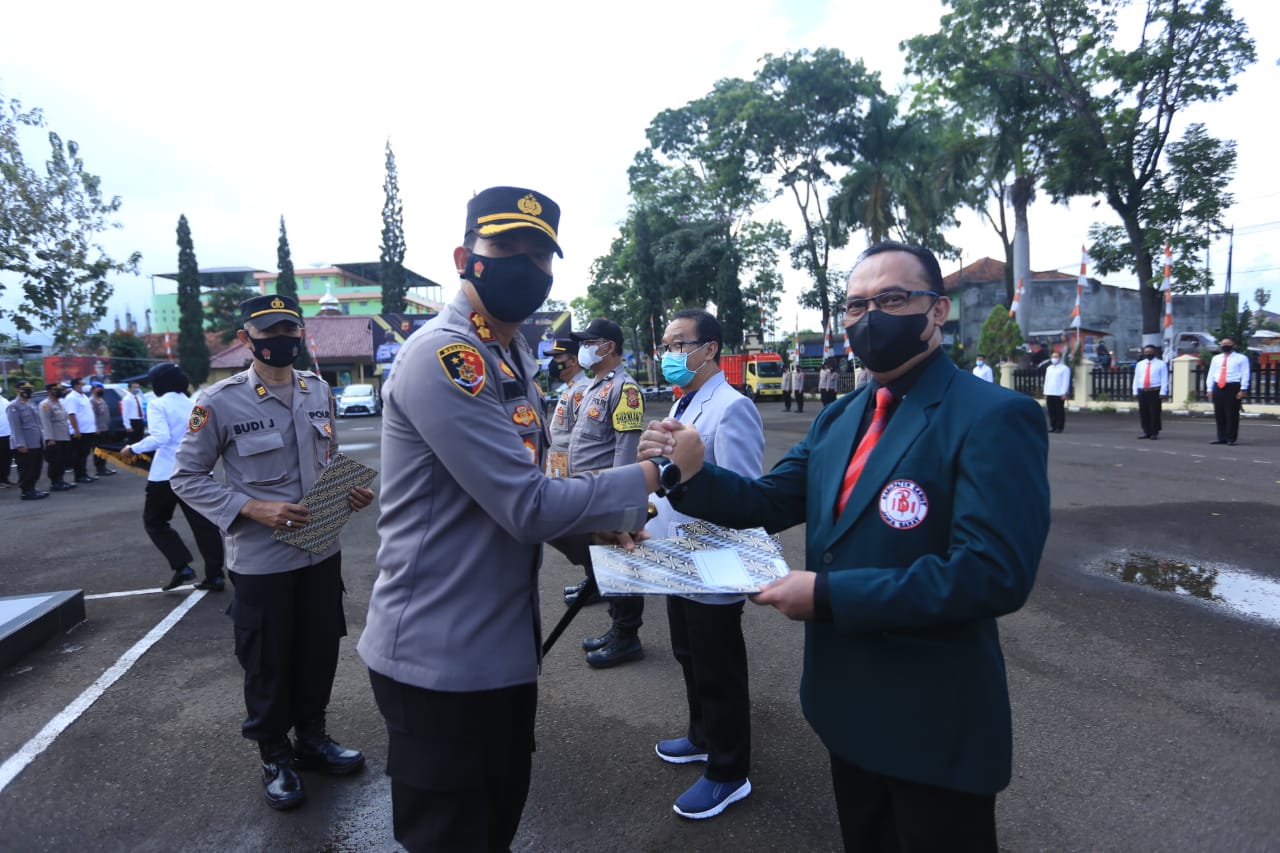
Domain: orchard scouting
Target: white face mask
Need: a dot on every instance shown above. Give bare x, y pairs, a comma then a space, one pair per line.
589, 357
1055, 361
981, 362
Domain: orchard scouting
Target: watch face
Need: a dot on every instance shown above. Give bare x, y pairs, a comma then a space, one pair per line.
669, 476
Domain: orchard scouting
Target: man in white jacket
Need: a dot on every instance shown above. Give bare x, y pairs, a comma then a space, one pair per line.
1057, 384
167, 419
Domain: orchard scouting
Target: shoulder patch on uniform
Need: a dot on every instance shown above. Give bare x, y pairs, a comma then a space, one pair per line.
628, 415
199, 417
465, 367
524, 415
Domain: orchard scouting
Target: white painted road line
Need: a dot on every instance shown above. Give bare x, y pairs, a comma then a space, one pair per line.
17, 762
151, 591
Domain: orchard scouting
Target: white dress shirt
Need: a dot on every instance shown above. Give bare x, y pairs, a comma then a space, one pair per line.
1057, 379
167, 419
78, 404
131, 408
5, 429
1159, 376
1237, 370
983, 371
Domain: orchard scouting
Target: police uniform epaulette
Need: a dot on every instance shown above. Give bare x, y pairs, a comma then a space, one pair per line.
235, 379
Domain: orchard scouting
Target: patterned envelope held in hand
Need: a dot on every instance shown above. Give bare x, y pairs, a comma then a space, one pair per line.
327, 502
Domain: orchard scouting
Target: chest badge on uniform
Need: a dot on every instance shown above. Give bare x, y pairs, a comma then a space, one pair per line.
507, 370
532, 450
523, 415
328, 429
480, 324
593, 413
903, 504
465, 367
199, 417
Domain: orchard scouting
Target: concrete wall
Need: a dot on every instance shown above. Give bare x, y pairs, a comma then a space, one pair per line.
1047, 304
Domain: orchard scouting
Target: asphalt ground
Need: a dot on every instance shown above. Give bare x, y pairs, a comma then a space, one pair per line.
1144, 720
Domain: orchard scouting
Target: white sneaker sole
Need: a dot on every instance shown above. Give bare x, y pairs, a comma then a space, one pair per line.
680, 759
739, 794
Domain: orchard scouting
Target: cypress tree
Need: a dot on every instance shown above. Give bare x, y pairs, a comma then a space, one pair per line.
391, 268
287, 285
193, 349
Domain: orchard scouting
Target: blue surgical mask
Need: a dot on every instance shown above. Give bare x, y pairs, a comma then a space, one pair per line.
981, 362
675, 367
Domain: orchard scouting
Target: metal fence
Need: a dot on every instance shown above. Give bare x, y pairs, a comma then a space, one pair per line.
1264, 384
1029, 381
1114, 384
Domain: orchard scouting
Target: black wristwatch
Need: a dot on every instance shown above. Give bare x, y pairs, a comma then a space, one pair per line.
668, 475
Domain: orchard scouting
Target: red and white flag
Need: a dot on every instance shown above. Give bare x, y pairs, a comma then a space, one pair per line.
826, 344
1017, 299
1081, 281
168, 350
1167, 286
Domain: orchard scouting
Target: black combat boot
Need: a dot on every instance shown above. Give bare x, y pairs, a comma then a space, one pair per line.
281, 781
315, 751
623, 647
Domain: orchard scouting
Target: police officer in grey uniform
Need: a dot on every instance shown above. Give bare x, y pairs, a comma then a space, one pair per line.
56, 427
453, 635
564, 360
606, 435
27, 441
273, 428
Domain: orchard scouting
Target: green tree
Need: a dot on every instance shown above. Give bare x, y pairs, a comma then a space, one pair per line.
1235, 324
129, 356
20, 187
391, 273
222, 313
63, 269
1109, 113
193, 349
287, 285
1000, 337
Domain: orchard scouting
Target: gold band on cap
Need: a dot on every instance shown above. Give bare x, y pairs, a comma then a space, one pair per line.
524, 220
275, 311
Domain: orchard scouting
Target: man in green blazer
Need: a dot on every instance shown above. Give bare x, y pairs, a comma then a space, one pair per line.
925, 497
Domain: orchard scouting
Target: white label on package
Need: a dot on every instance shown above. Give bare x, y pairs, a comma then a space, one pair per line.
722, 568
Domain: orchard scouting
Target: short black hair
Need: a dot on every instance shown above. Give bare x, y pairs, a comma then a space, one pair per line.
705, 325
932, 270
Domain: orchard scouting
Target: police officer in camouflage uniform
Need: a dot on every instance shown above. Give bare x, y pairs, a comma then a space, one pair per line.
273, 428
606, 435
454, 632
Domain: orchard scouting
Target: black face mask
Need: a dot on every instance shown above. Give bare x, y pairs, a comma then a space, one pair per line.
511, 288
278, 350
1150, 356
884, 342
1228, 348
25, 394
554, 371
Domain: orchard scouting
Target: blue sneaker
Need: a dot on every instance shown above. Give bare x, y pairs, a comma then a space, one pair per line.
679, 751
708, 799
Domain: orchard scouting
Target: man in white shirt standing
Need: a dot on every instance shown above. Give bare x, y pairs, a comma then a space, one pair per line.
1150, 385
1057, 383
133, 413
167, 420
84, 430
1228, 384
982, 370
6, 451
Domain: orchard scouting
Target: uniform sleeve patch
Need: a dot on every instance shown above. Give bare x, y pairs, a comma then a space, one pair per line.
199, 417
465, 367
628, 415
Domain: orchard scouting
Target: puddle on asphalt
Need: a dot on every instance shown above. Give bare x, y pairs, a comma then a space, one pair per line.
1240, 591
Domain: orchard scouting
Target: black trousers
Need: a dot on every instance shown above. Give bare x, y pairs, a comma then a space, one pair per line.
626, 611
56, 456
137, 430
1149, 410
6, 457
828, 396
1226, 410
1057, 410
95, 441
157, 512
81, 447
287, 627
707, 641
880, 813
799, 401
786, 399
29, 465
459, 763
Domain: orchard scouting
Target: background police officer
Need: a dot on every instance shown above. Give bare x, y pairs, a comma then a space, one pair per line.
565, 368
606, 435
453, 635
27, 441
272, 427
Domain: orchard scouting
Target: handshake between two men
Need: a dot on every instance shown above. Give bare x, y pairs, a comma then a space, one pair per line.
679, 442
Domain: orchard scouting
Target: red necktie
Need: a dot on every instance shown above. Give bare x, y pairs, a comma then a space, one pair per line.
1146, 382
884, 402
1222, 374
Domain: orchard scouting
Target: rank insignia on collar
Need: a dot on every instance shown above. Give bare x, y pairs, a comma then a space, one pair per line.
523, 415
507, 370
302, 383
481, 326
465, 367
199, 417
261, 389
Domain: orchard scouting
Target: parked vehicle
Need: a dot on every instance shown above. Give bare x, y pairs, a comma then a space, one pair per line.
359, 400
756, 374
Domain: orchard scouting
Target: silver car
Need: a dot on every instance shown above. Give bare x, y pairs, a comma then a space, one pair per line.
359, 400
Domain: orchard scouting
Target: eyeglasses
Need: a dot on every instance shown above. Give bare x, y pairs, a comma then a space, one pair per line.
678, 346
891, 302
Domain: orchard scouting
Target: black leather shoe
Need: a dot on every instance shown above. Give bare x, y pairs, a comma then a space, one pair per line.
322, 755
590, 644
1144, 435
280, 781
108, 472
34, 496
1219, 441
571, 597
1155, 436
86, 479
1231, 443
183, 575
619, 650
66, 487
212, 584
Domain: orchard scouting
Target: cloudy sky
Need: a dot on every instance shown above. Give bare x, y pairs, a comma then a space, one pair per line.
238, 113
